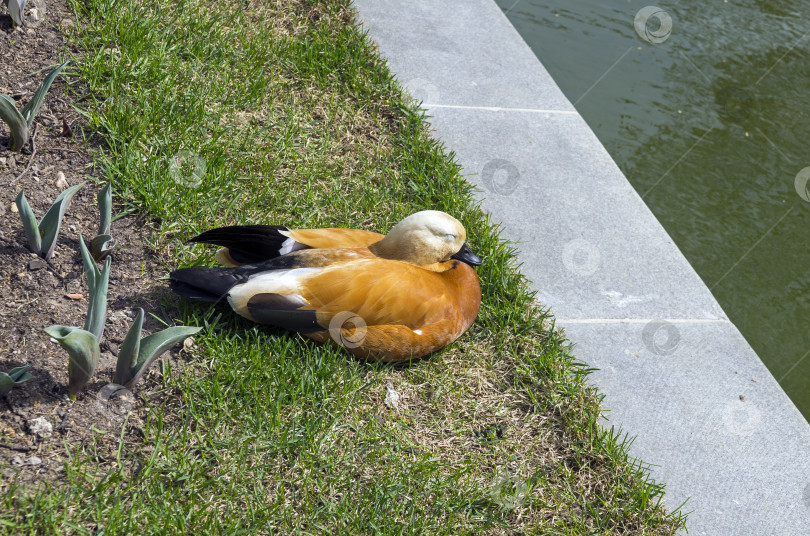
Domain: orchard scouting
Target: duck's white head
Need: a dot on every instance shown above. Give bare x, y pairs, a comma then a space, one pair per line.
425, 238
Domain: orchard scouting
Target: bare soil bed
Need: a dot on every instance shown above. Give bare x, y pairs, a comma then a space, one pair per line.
35, 294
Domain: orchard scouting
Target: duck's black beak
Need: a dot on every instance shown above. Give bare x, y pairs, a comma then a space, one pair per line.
465, 255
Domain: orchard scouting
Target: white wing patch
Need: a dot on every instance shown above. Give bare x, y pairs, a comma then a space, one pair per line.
278, 281
287, 246
275, 282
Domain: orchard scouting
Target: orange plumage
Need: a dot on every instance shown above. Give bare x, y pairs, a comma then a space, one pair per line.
335, 238
391, 298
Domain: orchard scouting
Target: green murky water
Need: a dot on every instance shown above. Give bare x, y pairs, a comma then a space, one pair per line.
706, 109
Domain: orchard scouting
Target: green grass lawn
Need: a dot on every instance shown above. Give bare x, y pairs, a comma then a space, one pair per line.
282, 112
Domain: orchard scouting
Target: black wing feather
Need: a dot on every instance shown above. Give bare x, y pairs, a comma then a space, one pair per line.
248, 243
284, 311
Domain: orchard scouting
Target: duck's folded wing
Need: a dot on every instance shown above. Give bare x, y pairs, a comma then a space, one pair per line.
248, 244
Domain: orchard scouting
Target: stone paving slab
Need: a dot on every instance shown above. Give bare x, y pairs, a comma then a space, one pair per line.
472, 54
711, 420
587, 240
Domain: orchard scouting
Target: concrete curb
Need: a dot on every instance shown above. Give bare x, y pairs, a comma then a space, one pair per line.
708, 415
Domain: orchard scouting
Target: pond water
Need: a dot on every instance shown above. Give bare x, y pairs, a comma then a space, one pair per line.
705, 106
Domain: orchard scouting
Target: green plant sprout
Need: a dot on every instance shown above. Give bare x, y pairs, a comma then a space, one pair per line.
16, 376
16, 9
136, 354
98, 282
83, 352
102, 244
20, 122
82, 345
42, 236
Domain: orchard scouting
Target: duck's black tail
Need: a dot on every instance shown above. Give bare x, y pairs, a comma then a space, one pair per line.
248, 244
205, 284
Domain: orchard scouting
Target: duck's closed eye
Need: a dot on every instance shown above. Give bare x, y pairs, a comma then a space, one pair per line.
450, 237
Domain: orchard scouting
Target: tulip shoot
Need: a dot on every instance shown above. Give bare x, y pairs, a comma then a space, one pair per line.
16, 8
20, 121
136, 354
13, 378
101, 245
104, 198
98, 282
83, 353
16, 122
42, 236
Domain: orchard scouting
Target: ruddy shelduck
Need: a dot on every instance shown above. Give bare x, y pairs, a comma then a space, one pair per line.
387, 297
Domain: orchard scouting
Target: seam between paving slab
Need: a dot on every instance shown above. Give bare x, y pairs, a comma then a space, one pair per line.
585, 238
499, 109
642, 320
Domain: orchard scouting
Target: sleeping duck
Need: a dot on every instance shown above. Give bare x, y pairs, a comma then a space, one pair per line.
387, 297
